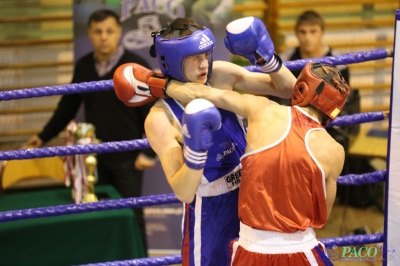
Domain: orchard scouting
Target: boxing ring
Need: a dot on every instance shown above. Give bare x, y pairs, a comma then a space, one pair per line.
390, 238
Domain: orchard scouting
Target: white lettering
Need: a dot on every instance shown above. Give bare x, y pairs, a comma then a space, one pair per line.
171, 8
126, 7
142, 7
227, 152
204, 45
175, 9
185, 131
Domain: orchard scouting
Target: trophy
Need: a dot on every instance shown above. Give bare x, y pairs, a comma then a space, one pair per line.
84, 177
91, 163
83, 132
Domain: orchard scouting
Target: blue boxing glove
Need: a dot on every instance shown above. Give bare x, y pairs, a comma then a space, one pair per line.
249, 38
199, 121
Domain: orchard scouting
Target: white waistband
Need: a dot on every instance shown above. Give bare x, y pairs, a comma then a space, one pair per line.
222, 185
269, 242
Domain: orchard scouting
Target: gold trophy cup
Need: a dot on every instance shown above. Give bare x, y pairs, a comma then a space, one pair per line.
91, 163
84, 133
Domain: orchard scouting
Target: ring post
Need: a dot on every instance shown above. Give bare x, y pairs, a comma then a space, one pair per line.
391, 246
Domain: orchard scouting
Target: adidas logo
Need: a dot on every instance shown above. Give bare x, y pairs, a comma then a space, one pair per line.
205, 42
185, 131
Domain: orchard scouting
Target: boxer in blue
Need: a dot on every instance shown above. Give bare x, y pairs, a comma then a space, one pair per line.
184, 51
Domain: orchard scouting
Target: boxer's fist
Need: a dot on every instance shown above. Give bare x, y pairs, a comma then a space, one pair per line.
136, 85
199, 121
249, 38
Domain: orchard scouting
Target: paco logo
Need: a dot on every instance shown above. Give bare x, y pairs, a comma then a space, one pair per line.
233, 179
357, 253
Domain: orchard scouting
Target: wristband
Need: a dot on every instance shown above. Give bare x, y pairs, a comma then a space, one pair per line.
273, 65
194, 159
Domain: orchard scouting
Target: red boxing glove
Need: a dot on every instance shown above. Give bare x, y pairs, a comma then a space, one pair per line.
136, 85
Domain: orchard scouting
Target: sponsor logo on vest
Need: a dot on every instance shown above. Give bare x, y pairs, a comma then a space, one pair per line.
228, 150
233, 179
205, 42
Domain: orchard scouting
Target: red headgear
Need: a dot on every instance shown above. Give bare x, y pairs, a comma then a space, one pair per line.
326, 91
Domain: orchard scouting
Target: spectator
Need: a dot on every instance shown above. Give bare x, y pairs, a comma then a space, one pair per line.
310, 30
113, 120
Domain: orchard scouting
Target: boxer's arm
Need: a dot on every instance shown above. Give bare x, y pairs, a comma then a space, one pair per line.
331, 158
163, 137
284, 82
241, 104
335, 165
229, 76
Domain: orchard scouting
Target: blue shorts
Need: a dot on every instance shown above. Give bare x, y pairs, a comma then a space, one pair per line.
209, 224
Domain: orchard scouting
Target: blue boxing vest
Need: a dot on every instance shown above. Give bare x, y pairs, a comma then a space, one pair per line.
211, 221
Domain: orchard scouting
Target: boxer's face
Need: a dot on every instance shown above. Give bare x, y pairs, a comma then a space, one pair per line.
105, 36
195, 68
310, 36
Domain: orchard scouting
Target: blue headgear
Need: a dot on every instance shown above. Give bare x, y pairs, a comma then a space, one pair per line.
171, 53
